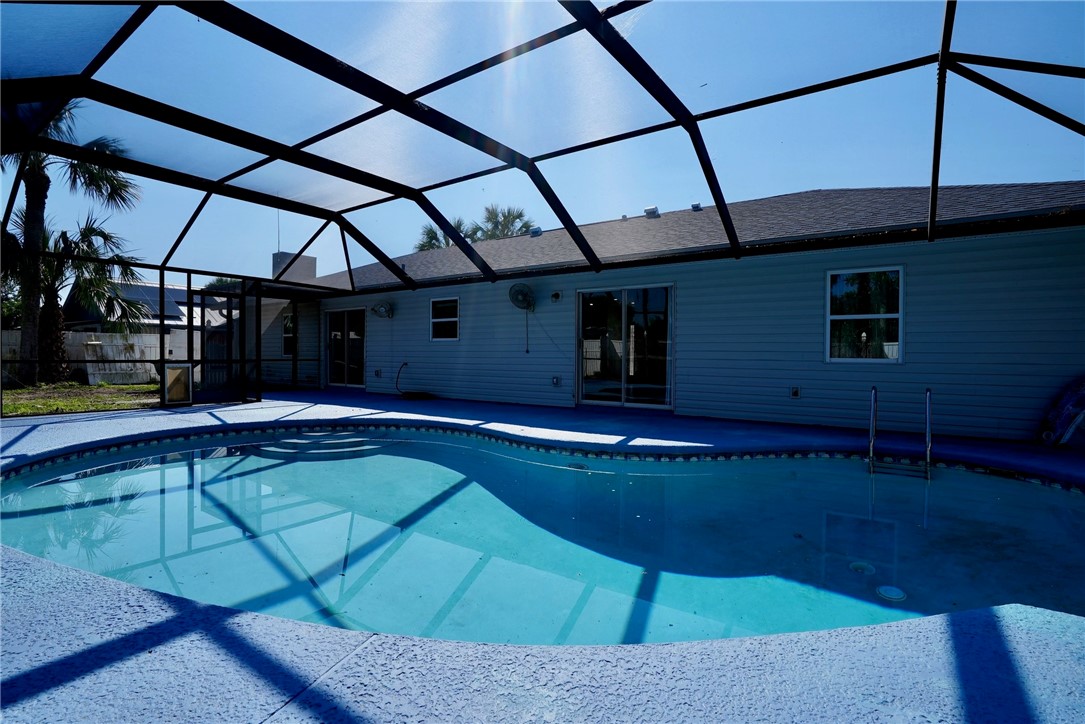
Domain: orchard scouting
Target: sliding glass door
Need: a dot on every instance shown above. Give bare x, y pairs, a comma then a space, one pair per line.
346, 347
625, 346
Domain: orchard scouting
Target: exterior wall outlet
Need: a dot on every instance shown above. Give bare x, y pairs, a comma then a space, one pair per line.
376, 373
796, 392
556, 380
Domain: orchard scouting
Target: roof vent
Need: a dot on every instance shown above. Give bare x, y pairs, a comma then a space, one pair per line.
651, 212
536, 231
695, 207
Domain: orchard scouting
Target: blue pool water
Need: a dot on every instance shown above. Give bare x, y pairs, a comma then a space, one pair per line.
439, 536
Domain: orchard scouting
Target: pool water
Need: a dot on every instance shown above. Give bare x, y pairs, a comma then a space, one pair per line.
440, 536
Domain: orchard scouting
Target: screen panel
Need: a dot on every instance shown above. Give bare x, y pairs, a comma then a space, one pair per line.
1049, 32
395, 226
39, 40
872, 134
160, 144
396, 147
298, 183
660, 169
469, 199
234, 237
569, 92
409, 45
176, 59
151, 228
717, 54
1065, 95
988, 139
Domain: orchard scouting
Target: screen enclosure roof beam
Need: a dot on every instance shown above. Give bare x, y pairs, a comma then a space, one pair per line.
179, 118
178, 178
619, 48
939, 115
264, 35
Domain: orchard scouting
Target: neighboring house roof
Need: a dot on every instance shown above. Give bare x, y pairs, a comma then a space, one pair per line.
176, 306
808, 215
146, 292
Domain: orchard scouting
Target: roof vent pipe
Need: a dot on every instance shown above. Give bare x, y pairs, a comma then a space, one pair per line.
651, 212
536, 231
695, 207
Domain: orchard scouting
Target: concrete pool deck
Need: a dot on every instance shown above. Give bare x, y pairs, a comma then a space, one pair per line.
78, 647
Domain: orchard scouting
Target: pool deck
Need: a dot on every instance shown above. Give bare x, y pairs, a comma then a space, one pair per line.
78, 647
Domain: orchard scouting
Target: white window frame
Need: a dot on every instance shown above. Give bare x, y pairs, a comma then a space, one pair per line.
286, 313
455, 319
830, 317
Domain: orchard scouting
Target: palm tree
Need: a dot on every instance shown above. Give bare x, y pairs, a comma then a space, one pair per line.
501, 222
497, 223
104, 185
94, 284
434, 238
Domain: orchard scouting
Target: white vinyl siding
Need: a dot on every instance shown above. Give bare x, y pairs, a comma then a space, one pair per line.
277, 366
995, 326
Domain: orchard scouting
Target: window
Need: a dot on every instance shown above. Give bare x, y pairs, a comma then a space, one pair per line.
290, 339
865, 315
444, 319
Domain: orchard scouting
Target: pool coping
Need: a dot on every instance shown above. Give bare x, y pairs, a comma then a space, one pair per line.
717, 440
76, 646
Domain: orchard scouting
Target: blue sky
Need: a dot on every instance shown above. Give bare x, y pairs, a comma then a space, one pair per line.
877, 133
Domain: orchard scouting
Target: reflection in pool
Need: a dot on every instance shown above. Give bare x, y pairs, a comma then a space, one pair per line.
482, 542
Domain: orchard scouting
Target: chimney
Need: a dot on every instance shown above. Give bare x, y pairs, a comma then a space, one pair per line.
304, 268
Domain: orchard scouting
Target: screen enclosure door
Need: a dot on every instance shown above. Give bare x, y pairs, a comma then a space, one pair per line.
625, 347
346, 347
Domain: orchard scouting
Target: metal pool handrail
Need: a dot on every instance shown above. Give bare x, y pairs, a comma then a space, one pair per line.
928, 432
873, 425
874, 432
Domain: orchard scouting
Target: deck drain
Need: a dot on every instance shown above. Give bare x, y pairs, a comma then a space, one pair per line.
891, 593
578, 466
860, 567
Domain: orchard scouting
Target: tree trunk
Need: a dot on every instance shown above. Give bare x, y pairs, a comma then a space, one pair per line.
36, 187
53, 366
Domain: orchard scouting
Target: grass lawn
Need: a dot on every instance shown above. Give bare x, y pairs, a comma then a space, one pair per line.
73, 397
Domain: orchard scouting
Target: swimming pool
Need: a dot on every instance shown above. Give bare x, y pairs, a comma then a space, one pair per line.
440, 535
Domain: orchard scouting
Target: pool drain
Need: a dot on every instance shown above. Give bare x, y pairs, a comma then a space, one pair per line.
891, 593
864, 568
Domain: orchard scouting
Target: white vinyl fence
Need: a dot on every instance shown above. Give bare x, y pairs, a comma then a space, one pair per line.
121, 359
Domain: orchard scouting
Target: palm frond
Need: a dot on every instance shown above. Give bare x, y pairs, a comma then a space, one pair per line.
433, 238
105, 185
501, 222
62, 127
98, 270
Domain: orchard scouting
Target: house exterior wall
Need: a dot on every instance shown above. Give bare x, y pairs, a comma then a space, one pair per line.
277, 369
994, 325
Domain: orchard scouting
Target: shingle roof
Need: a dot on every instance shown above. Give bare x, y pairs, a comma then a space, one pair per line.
146, 292
790, 217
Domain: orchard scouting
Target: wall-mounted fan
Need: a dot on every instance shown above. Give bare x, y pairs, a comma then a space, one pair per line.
382, 310
523, 298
